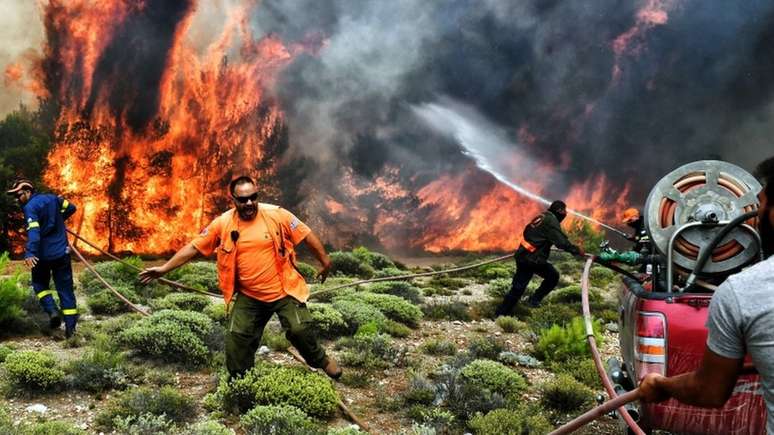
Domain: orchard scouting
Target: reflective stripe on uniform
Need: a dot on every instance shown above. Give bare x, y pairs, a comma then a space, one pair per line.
32, 225
65, 204
45, 293
70, 311
528, 246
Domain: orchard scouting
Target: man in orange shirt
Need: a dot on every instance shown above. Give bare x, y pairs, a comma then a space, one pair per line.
255, 244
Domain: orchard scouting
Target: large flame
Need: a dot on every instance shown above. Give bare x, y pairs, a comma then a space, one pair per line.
150, 185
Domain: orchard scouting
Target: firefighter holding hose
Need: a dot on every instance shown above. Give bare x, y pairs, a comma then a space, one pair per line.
255, 245
532, 256
47, 252
741, 321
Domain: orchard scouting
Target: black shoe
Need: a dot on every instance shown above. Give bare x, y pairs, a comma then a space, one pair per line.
69, 333
54, 321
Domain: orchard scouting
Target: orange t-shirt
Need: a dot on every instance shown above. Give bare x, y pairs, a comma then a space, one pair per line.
257, 274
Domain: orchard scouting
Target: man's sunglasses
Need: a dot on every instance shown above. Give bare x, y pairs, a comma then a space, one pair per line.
244, 199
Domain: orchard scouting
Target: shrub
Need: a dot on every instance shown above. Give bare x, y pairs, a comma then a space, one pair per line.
106, 303
306, 270
495, 377
396, 329
275, 340
52, 428
33, 371
582, 369
549, 314
357, 313
216, 312
389, 272
202, 275
464, 398
403, 289
452, 283
330, 322
439, 347
447, 311
420, 390
346, 263
501, 421
394, 307
208, 427
12, 294
510, 324
565, 394
113, 272
602, 276
182, 301
374, 259
146, 424
267, 384
348, 430
561, 343
172, 336
356, 378
582, 232
143, 401
485, 348
572, 294
369, 350
4, 352
97, 371
498, 288
279, 420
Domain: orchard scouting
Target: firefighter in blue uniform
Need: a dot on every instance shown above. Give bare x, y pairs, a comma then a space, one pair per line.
47, 252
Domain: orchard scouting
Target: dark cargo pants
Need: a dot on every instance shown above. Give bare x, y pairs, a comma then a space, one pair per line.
245, 327
524, 273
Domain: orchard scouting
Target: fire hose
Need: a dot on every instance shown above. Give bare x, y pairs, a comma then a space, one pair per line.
344, 409
616, 401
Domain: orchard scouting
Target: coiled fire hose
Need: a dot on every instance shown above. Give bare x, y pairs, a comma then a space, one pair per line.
616, 401
344, 409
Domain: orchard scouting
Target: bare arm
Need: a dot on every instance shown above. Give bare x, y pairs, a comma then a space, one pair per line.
184, 255
709, 386
319, 253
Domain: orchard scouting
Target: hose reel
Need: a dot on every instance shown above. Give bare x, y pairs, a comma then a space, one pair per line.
684, 209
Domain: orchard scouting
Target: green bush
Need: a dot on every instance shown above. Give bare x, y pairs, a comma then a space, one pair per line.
267, 384
208, 427
420, 390
216, 312
439, 347
447, 311
572, 294
582, 369
584, 233
374, 259
146, 424
495, 377
142, 401
506, 421
13, 294
275, 340
52, 428
389, 272
4, 352
485, 347
306, 270
202, 275
113, 272
6, 424
394, 307
346, 263
279, 420
348, 430
396, 329
602, 276
498, 288
97, 371
565, 394
403, 289
182, 301
33, 371
357, 313
547, 315
449, 282
171, 336
465, 398
329, 322
561, 343
510, 324
369, 350
106, 303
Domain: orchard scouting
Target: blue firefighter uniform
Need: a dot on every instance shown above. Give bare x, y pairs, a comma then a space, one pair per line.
45, 216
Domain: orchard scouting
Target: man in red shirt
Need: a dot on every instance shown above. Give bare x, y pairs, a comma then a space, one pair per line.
255, 245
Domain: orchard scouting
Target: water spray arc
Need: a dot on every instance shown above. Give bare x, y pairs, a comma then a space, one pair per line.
487, 145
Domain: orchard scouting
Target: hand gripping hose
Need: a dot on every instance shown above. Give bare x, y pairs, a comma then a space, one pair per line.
616, 402
344, 409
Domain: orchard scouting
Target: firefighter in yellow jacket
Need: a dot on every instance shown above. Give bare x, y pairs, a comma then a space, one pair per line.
254, 243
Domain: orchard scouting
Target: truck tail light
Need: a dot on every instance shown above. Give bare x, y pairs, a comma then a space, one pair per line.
650, 344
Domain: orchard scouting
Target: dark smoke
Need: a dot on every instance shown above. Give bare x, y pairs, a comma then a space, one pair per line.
701, 85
